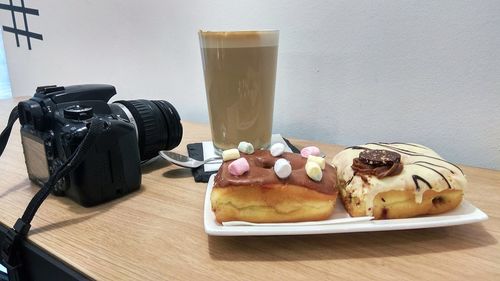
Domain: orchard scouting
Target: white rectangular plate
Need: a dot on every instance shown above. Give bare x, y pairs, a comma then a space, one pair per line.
340, 222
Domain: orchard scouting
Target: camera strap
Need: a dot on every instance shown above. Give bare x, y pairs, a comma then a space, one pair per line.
4, 137
9, 246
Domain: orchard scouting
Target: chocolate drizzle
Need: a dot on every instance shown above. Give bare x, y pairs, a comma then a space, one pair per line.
349, 181
435, 165
404, 143
418, 178
444, 178
356, 147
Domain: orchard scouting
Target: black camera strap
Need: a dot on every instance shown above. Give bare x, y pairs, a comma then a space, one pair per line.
4, 137
9, 246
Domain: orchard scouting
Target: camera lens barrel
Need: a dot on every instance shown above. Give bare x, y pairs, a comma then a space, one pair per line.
157, 123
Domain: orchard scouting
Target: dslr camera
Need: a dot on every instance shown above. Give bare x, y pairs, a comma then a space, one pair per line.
56, 119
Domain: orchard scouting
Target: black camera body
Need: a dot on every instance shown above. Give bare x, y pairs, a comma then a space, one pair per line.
55, 121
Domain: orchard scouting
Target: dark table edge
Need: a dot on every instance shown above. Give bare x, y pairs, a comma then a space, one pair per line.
38, 264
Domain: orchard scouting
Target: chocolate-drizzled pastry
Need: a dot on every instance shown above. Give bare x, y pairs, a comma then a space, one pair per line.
396, 180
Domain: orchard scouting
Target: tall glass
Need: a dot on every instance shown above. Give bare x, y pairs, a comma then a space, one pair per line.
240, 76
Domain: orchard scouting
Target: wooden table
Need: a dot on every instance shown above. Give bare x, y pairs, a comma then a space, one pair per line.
157, 233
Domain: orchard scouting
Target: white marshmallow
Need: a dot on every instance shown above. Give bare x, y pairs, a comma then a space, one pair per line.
282, 168
245, 147
277, 149
230, 154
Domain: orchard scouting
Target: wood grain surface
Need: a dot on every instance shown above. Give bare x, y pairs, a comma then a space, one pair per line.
157, 233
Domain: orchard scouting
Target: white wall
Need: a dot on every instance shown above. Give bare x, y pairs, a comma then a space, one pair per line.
4, 76
349, 72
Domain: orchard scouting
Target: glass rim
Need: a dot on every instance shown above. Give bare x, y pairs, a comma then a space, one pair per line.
240, 31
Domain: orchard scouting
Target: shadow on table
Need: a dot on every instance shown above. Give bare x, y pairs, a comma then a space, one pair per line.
63, 223
160, 163
156, 164
77, 214
18, 186
350, 245
178, 173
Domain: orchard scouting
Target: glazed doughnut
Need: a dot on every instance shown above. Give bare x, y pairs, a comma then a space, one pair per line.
259, 195
397, 180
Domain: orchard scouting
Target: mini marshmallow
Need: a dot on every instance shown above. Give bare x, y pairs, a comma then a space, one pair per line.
245, 147
277, 149
282, 168
238, 167
313, 170
230, 154
310, 150
320, 160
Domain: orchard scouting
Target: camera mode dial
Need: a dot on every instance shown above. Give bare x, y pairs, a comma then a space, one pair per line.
78, 112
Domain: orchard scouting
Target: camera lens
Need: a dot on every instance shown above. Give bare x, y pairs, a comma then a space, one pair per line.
157, 124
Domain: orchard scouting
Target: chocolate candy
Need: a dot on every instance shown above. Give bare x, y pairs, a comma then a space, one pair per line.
379, 157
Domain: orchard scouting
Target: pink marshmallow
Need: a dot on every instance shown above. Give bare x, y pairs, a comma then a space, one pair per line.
239, 166
310, 150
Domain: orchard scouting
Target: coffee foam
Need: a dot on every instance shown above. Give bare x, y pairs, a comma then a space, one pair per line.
238, 39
